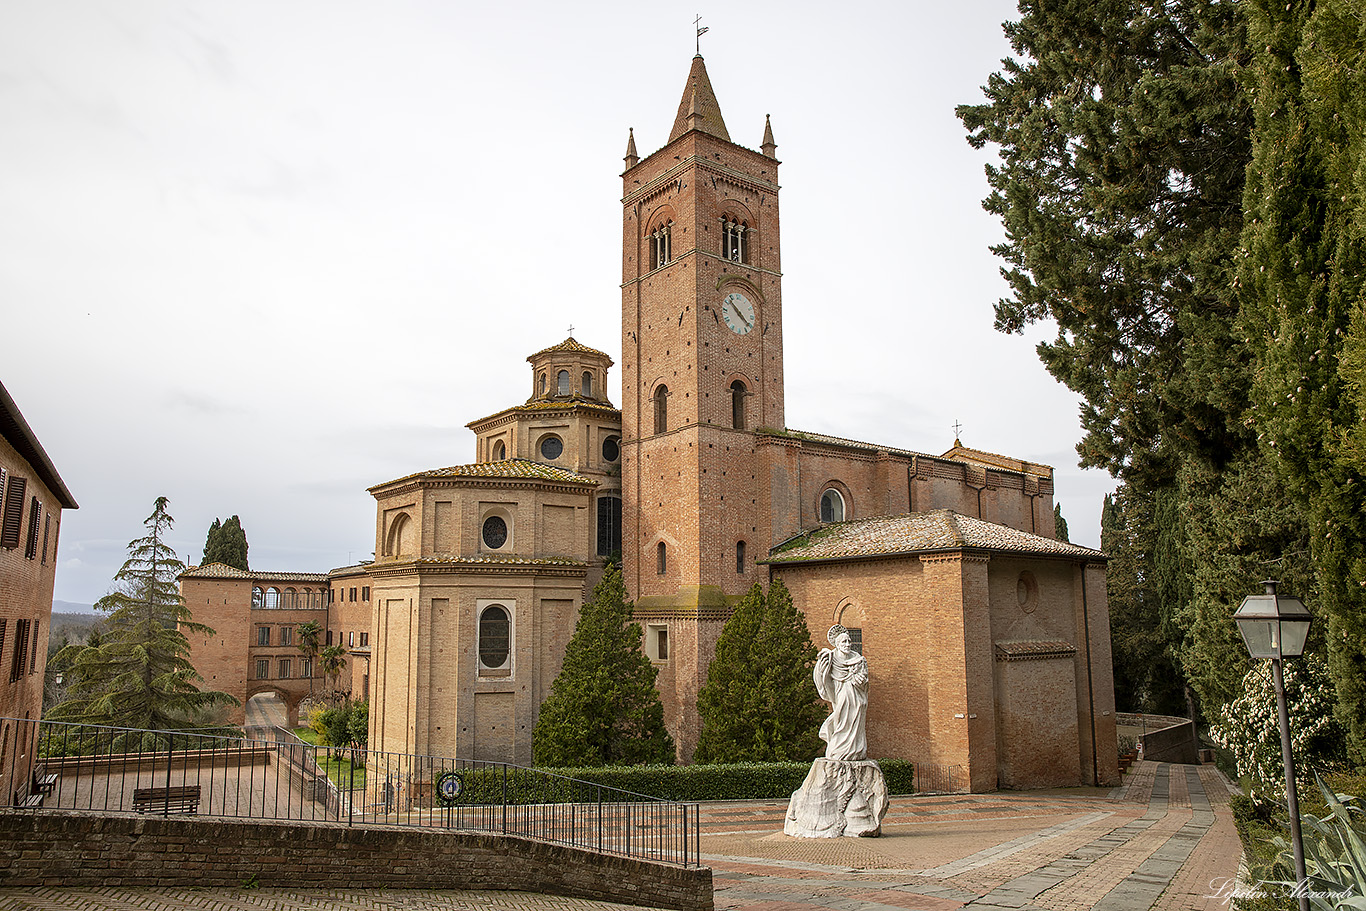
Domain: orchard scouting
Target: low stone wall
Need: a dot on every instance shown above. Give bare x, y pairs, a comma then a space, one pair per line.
1167, 739
55, 848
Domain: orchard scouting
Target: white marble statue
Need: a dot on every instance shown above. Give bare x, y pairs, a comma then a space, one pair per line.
842, 680
845, 793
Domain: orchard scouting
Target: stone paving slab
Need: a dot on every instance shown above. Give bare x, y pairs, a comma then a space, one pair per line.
1163, 840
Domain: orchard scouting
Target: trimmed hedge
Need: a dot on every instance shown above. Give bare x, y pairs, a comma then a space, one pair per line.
737, 781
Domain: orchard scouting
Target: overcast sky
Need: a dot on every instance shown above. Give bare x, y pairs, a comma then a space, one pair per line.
259, 256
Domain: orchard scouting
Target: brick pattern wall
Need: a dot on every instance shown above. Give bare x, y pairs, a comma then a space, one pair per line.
77, 850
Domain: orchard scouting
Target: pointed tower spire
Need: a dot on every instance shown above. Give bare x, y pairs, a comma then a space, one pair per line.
769, 146
699, 109
631, 156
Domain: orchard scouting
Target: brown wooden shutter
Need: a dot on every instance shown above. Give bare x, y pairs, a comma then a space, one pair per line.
14, 511
35, 515
33, 655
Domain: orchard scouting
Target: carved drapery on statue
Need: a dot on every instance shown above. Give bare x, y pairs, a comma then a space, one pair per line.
845, 792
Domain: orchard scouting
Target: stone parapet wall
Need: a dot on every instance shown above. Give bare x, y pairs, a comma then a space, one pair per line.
72, 849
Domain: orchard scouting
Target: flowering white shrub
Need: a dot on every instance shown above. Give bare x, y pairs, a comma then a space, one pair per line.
1249, 728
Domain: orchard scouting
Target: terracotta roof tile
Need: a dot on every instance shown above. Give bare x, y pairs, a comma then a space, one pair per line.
942, 529
223, 571
571, 344
523, 469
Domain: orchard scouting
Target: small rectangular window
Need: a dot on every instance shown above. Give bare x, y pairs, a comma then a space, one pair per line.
286, 635
263, 635
365, 593
263, 669
353, 594
364, 640
306, 667
351, 642
329, 637
284, 668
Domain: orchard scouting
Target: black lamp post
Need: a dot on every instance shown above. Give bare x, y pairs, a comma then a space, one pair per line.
1275, 627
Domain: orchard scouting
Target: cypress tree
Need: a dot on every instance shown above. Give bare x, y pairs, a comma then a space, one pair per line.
139, 674
760, 703
227, 544
603, 708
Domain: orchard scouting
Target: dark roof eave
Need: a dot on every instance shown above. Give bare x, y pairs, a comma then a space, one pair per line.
25, 442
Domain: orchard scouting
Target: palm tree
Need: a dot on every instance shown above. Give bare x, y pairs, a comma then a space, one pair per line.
310, 635
333, 660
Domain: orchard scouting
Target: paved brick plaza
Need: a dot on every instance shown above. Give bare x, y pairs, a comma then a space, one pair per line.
1164, 840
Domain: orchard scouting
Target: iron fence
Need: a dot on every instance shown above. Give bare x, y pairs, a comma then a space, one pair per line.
931, 778
277, 776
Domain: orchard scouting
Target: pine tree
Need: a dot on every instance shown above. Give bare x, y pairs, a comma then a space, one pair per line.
227, 544
760, 703
139, 674
603, 708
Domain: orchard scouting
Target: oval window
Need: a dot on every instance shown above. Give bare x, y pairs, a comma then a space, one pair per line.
494, 645
611, 449
552, 447
495, 532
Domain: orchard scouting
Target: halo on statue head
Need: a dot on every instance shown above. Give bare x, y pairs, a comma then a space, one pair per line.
835, 632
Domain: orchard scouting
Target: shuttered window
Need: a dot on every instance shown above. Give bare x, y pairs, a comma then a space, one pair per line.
35, 516
16, 665
33, 654
13, 519
47, 533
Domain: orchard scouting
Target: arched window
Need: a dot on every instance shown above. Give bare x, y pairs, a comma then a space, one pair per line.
272, 598
832, 506
291, 598
609, 526
500, 452
737, 404
735, 237
398, 541
662, 558
258, 598
661, 409
562, 383
739, 556
542, 384
661, 245
495, 641
586, 388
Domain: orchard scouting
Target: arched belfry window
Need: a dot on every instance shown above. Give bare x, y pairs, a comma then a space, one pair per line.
661, 399
541, 385
832, 506
661, 559
500, 451
735, 239
738, 392
586, 388
661, 245
562, 383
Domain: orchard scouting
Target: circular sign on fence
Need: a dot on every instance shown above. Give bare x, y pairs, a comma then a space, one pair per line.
449, 787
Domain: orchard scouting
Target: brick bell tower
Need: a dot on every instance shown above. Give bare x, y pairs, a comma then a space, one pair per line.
702, 370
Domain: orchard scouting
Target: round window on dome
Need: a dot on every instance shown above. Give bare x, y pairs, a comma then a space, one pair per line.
552, 447
495, 532
611, 449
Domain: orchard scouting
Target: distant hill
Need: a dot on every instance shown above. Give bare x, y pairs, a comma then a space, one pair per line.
71, 607
75, 627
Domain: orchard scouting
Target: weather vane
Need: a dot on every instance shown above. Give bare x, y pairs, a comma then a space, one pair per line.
701, 30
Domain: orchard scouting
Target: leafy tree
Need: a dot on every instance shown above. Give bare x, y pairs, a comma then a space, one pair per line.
1059, 523
139, 674
760, 703
333, 661
310, 640
227, 544
603, 708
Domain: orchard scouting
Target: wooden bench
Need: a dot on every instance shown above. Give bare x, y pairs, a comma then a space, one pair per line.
167, 800
44, 782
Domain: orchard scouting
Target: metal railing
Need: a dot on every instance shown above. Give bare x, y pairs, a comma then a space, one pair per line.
940, 779
94, 769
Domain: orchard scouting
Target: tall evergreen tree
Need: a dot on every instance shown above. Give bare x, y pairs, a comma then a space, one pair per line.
139, 674
760, 703
1059, 523
603, 708
1303, 278
227, 544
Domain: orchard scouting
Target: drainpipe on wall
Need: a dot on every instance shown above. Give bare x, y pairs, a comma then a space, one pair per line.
1090, 690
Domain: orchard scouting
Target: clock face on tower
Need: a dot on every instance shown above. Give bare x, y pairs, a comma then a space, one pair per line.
738, 313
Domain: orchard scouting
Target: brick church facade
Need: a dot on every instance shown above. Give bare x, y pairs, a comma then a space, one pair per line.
987, 639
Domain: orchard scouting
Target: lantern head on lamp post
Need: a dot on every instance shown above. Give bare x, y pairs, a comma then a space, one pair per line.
1275, 627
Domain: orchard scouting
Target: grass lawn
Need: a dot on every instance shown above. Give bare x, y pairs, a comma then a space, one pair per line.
338, 770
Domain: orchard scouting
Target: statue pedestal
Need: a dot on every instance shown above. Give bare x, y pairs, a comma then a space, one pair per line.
839, 797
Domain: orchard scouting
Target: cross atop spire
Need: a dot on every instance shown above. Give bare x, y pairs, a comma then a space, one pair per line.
699, 109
